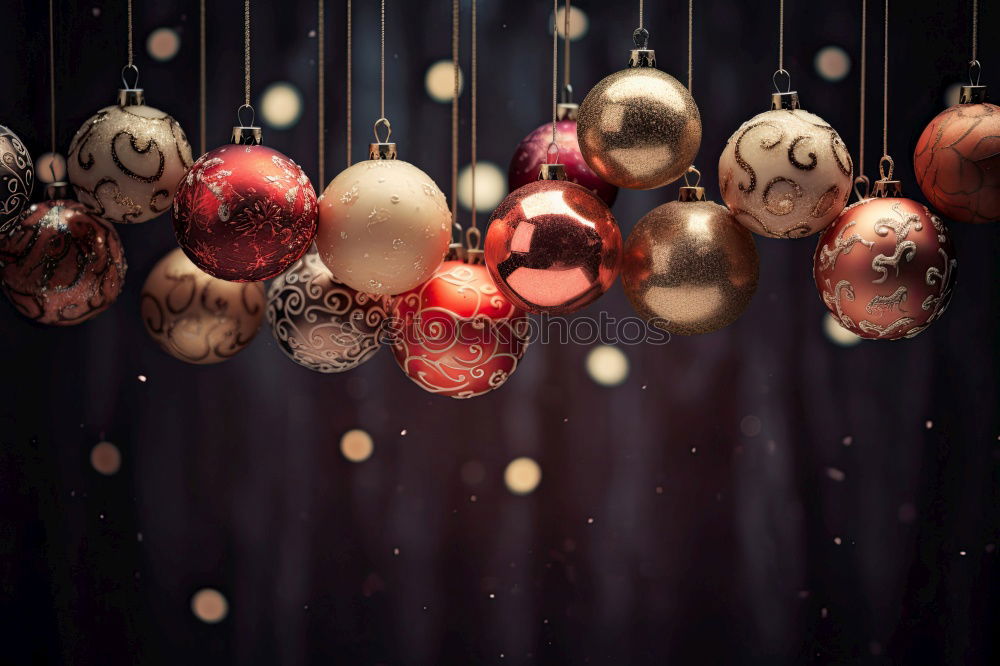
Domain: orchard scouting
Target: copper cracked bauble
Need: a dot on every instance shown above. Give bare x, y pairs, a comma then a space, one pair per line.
126, 162
245, 213
384, 226
321, 324
17, 177
689, 267
61, 265
195, 317
456, 334
885, 268
532, 152
957, 162
553, 246
639, 128
785, 173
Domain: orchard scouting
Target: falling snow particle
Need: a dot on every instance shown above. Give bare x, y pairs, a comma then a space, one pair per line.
590, 521
395, 551
823, 613
847, 441
838, 540
659, 490
142, 378
962, 553
402, 433
929, 424
835, 474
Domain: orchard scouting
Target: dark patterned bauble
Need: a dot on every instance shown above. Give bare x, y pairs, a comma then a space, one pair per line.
785, 173
532, 152
885, 268
195, 317
17, 176
456, 334
126, 161
321, 324
61, 265
553, 246
957, 162
689, 267
245, 213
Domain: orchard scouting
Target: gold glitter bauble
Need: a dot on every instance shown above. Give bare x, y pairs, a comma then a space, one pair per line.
639, 128
689, 267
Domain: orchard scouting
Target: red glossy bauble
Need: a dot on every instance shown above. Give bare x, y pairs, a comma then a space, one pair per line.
61, 265
885, 268
456, 335
532, 152
553, 246
957, 162
245, 213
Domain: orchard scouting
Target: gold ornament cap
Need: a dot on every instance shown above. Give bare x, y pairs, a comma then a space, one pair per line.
58, 190
972, 94
887, 188
785, 100
247, 136
642, 58
691, 193
474, 256
552, 172
131, 97
456, 252
567, 111
382, 150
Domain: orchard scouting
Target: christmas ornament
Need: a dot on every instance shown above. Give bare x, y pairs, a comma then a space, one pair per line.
59, 264
126, 161
455, 334
885, 268
688, 266
321, 324
639, 128
532, 152
957, 159
195, 317
785, 173
384, 226
553, 246
245, 212
17, 177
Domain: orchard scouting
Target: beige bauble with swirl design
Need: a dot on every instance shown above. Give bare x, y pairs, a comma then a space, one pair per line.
785, 173
195, 317
126, 161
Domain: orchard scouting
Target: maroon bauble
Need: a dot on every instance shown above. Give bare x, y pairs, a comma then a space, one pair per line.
455, 334
957, 162
532, 153
885, 268
61, 265
553, 246
245, 213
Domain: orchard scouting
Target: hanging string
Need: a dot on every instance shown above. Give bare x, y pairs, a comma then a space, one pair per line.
885, 101
781, 35
974, 67
202, 77
553, 148
455, 26
566, 13
130, 63
52, 90
690, 45
321, 91
349, 86
640, 15
246, 52
381, 107
473, 231
861, 178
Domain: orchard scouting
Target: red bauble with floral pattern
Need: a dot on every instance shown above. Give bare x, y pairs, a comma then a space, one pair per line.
245, 213
456, 334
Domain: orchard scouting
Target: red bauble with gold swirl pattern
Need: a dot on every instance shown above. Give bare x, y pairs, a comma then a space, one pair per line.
885, 268
456, 334
245, 213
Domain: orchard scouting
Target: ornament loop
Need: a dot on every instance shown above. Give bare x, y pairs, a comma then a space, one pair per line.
697, 174
788, 80
552, 153
976, 70
882, 166
866, 192
125, 70
641, 38
383, 122
473, 237
239, 115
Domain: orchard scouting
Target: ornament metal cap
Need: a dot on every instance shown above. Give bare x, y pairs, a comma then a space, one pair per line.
247, 136
642, 58
552, 172
382, 150
887, 188
456, 251
785, 100
58, 190
474, 256
689, 193
131, 97
972, 94
567, 111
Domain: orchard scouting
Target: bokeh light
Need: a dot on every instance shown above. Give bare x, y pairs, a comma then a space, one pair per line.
281, 105
750, 425
837, 334
607, 365
357, 445
491, 186
440, 81
522, 476
209, 605
579, 23
106, 458
832, 63
163, 44
45, 164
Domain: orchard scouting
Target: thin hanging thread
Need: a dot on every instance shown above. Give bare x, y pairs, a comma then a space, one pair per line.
472, 141
640, 15
381, 107
130, 64
455, 26
347, 138
690, 45
566, 14
246, 52
781, 35
321, 90
861, 121
555, 79
52, 89
202, 78
885, 88
975, 29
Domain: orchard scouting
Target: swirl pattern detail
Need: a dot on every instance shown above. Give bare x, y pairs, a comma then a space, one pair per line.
17, 177
785, 174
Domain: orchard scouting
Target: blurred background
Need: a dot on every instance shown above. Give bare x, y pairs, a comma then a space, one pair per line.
778, 492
